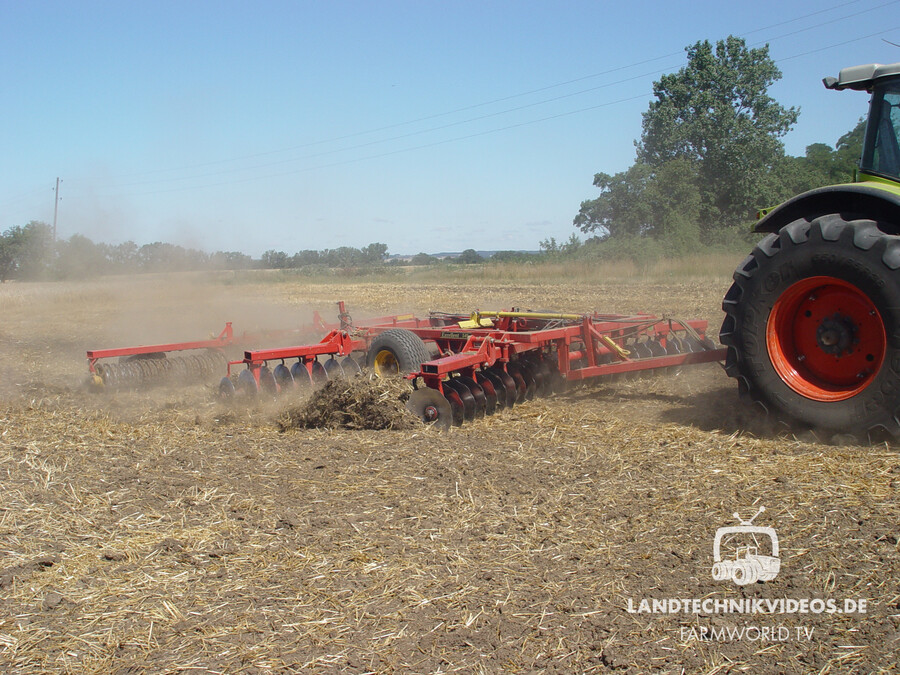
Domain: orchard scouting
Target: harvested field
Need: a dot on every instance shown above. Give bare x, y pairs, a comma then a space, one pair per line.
161, 531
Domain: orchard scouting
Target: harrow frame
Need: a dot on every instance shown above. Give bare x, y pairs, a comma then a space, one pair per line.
475, 360
562, 347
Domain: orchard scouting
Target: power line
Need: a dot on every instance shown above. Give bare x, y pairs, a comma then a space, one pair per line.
444, 141
497, 100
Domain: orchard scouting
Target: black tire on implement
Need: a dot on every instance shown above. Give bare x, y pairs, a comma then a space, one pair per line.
397, 351
812, 327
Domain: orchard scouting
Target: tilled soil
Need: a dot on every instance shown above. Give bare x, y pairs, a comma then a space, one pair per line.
162, 531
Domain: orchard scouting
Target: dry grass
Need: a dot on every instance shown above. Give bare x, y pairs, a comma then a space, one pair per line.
161, 532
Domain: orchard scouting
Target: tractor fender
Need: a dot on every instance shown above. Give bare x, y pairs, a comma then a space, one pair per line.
864, 200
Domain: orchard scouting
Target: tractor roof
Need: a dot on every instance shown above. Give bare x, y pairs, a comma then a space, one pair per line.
861, 77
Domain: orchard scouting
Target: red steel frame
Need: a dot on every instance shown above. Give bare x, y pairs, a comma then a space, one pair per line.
225, 338
464, 350
580, 346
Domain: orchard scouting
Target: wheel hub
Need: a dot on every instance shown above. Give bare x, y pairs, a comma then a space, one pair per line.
837, 334
826, 339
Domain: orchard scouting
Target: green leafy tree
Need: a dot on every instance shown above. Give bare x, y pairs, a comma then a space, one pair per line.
820, 166
78, 257
275, 260
306, 257
662, 202
374, 254
716, 114
26, 252
423, 259
469, 256
620, 208
10, 242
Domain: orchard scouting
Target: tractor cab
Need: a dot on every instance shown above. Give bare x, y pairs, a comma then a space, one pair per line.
881, 150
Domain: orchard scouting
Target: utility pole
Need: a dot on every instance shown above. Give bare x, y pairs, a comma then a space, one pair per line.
55, 209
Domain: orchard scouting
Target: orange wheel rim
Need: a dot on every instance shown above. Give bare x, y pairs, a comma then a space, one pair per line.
826, 340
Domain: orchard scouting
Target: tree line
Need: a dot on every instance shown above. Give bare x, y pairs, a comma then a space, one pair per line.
29, 253
710, 154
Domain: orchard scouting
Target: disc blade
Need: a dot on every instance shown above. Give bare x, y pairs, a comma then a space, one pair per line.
319, 374
490, 394
465, 395
283, 376
351, 367
302, 379
511, 386
267, 381
431, 407
521, 383
456, 404
247, 383
226, 388
477, 392
333, 369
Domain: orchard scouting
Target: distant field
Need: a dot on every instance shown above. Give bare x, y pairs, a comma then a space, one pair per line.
162, 531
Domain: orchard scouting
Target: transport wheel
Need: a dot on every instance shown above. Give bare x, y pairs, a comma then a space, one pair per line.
396, 351
431, 407
812, 326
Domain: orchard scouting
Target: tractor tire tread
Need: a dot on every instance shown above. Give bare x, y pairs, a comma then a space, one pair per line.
841, 245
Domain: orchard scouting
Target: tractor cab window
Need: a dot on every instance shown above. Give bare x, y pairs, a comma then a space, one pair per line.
881, 153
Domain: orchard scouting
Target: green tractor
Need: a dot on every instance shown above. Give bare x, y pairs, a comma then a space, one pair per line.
812, 321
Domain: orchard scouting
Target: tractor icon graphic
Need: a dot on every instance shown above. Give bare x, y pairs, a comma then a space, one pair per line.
748, 565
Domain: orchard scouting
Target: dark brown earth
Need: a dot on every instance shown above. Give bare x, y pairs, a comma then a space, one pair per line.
161, 531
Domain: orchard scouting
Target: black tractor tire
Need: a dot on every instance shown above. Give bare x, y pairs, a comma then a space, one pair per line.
812, 327
397, 351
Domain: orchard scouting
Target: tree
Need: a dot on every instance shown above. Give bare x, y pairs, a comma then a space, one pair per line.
79, 257
661, 202
9, 253
374, 254
275, 260
620, 208
26, 252
716, 114
469, 257
821, 165
423, 259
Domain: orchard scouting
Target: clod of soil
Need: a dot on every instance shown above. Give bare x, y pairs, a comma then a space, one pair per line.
360, 403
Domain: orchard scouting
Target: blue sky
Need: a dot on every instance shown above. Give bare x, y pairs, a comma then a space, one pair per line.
427, 126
